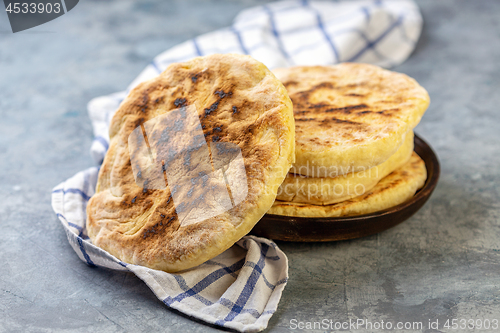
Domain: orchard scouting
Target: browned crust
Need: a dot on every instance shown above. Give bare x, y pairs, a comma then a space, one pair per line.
239, 101
351, 116
396, 188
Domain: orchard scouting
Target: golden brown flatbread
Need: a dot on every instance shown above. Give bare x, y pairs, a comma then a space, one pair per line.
349, 117
392, 190
327, 191
196, 157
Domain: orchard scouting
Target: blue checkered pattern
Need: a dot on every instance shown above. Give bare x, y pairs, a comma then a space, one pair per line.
241, 288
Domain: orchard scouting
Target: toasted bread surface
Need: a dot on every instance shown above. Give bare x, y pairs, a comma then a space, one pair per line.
392, 190
327, 191
350, 117
240, 104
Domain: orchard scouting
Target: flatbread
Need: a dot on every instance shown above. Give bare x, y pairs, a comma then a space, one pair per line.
392, 190
196, 157
327, 191
350, 117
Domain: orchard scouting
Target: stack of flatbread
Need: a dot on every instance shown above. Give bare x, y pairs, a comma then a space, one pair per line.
199, 154
354, 140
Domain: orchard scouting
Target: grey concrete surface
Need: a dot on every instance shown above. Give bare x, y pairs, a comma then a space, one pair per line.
441, 264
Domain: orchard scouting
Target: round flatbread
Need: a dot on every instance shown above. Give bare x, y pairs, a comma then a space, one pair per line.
349, 117
327, 191
196, 157
392, 190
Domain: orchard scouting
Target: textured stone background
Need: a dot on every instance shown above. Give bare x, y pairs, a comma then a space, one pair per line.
442, 264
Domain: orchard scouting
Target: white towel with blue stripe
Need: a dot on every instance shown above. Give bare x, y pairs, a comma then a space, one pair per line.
241, 288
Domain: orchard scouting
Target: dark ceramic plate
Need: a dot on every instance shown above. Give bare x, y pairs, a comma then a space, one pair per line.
321, 229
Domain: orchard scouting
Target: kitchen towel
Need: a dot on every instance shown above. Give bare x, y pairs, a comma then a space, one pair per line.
241, 288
